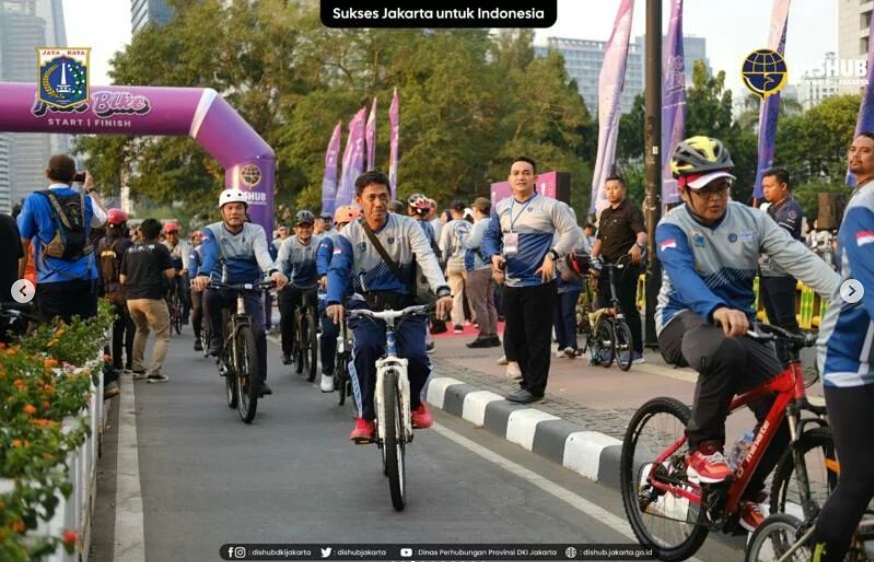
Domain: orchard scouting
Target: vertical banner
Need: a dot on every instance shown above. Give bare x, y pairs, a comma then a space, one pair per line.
610, 84
673, 100
329, 180
770, 107
394, 120
353, 159
865, 122
370, 137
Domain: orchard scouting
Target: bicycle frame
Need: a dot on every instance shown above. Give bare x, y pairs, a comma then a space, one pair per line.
392, 361
791, 398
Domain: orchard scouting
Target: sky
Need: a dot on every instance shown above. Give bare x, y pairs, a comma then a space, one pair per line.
732, 29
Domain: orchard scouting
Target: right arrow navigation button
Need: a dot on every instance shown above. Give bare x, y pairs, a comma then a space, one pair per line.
852, 291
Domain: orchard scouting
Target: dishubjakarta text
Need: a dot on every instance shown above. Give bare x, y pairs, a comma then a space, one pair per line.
435, 552
436, 14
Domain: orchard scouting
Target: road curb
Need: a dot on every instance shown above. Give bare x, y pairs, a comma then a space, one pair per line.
592, 454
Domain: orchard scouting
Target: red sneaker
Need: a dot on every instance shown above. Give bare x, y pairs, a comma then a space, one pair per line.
363, 432
421, 417
751, 515
704, 468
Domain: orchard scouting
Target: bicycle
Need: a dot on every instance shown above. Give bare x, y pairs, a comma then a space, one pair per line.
654, 484
394, 428
305, 346
609, 336
174, 306
15, 319
783, 537
342, 378
238, 361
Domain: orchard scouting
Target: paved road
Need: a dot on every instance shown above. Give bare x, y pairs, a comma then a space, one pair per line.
206, 479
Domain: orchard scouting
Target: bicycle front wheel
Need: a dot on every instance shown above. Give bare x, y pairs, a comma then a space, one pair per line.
773, 539
793, 488
341, 377
623, 345
247, 374
655, 494
394, 444
311, 348
602, 345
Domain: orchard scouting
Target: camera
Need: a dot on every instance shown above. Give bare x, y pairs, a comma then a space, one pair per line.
79, 177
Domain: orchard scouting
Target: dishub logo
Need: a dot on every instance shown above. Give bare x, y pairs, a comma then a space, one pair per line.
62, 76
764, 72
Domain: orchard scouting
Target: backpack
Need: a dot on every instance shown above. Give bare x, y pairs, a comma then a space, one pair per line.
109, 263
71, 241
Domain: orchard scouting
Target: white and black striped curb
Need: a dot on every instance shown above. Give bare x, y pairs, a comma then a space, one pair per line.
589, 453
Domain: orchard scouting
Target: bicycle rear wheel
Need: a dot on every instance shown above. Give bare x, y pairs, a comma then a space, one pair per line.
311, 348
602, 345
672, 525
623, 345
792, 488
247, 373
773, 539
394, 445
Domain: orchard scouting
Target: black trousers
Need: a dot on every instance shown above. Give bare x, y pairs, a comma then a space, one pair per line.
528, 332
123, 330
726, 367
66, 299
778, 296
290, 298
626, 293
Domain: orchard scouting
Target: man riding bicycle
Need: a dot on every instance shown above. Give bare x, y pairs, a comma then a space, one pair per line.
235, 251
330, 331
846, 340
709, 249
379, 283
180, 251
297, 260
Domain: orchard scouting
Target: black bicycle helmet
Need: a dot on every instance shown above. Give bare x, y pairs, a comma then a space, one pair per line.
304, 216
698, 155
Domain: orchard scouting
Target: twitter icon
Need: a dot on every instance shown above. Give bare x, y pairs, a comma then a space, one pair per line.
326, 552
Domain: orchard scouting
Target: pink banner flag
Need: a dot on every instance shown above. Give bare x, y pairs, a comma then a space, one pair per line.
673, 99
370, 137
329, 180
394, 119
610, 85
353, 159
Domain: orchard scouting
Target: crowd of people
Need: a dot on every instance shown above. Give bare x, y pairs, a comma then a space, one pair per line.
484, 264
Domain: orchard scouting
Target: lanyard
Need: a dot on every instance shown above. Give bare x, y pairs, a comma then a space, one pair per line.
512, 204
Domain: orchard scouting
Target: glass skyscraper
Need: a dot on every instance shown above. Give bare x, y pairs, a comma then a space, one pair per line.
144, 12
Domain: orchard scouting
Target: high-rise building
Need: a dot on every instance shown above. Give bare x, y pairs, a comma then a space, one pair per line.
26, 25
5, 195
854, 22
584, 58
820, 83
144, 12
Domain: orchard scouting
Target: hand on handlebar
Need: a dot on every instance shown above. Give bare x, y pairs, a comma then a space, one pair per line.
443, 307
734, 322
280, 280
200, 283
335, 313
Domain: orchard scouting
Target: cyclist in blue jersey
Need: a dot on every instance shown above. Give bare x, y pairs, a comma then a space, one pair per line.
846, 356
710, 248
297, 260
235, 251
379, 284
194, 263
330, 331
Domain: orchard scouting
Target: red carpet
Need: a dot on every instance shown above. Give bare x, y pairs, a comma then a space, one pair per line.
470, 331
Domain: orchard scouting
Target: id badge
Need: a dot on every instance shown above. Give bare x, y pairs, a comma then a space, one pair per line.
511, 244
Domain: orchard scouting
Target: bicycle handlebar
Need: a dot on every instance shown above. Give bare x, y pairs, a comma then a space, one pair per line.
259, 286
767, 332
423, 309
18, 306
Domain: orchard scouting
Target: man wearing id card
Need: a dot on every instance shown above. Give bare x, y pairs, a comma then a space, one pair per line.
519, 241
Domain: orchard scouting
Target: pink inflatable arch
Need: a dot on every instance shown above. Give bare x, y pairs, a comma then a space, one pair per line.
249, 162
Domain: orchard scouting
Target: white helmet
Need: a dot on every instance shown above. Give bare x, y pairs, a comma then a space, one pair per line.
232, 195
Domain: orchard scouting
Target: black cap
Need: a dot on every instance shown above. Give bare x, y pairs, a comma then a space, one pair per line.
457, 205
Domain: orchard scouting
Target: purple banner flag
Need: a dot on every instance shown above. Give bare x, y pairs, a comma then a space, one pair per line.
769, 111
394, 120
673, 100
329, 180
370, 137
865, 121
610, 85
353, 159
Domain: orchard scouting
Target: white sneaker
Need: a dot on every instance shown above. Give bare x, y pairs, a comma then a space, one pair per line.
570, 353
513, 371
327, 384
502, 360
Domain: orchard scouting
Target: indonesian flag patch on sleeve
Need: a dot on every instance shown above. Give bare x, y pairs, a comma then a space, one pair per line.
864, 237
669, 243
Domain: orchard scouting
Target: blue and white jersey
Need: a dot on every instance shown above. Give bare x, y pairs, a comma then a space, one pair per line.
452, 242
244, 253
180, 253
298, 262
535, 221
473, 256
325, 252
846, 335
356, 260
194, 261
708, 267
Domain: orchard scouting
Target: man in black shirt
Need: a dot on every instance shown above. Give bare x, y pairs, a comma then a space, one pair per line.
11, 251
621, 231
144, 270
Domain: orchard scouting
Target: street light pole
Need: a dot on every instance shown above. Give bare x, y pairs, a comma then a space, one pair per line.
653, 158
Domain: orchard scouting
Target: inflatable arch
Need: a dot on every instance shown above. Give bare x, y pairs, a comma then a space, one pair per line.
202, 114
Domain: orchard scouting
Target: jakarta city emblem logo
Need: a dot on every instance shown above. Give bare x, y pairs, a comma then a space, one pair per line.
764, 72
62, 76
